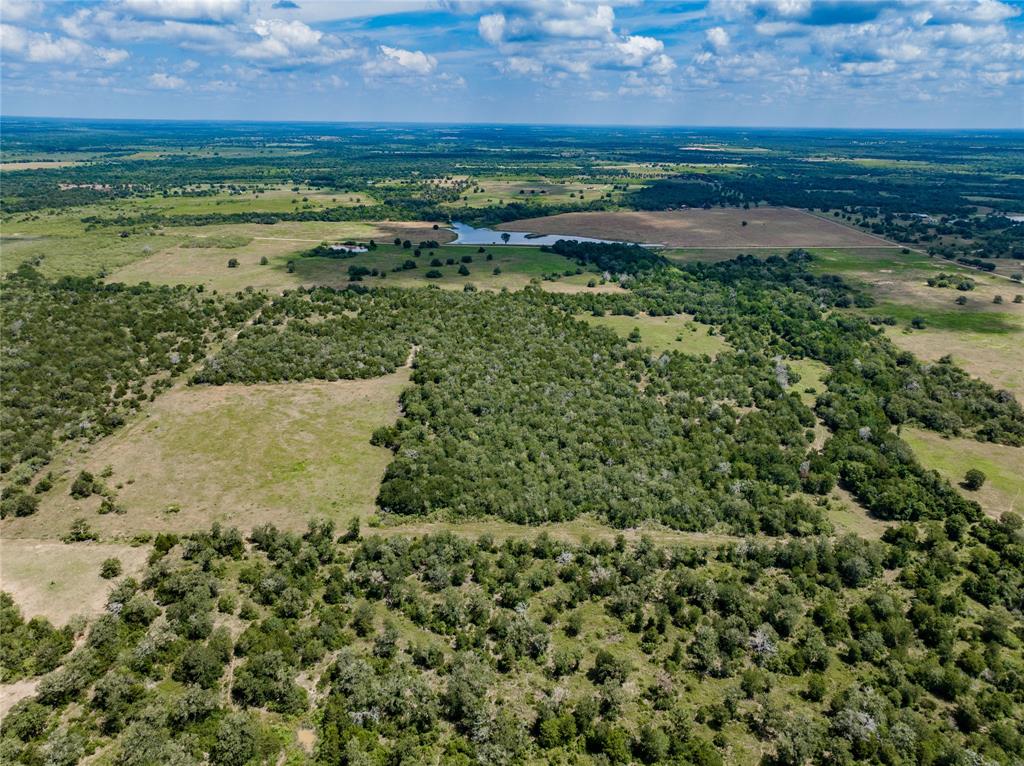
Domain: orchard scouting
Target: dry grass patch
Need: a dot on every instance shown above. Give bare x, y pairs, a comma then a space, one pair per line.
850, 517
719, 227
38, 165
278, 243
239, 455
998, 359
58, 581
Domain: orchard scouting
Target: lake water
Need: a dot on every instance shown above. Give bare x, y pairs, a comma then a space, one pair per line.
467, 235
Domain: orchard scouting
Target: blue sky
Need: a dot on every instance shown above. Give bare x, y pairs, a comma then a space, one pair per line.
831, 63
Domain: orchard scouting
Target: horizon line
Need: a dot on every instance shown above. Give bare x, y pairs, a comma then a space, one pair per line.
439, 123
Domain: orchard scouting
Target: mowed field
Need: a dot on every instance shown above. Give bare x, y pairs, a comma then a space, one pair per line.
499, 191
715, 228
239, 455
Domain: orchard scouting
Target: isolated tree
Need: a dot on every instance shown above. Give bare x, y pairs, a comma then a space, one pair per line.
974, 479
505, 237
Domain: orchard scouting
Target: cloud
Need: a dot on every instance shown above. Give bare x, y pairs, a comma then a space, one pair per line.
44, 48
91, 23
20, 10
492, 28
164, 81
566, 38
717, 38
521, 65
868, 68
398, 62
281, 43
217, 11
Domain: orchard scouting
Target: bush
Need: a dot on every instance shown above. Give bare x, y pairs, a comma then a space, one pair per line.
80, 532
84, 485
18, 504
110, 568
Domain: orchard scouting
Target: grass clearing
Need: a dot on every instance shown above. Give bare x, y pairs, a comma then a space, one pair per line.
848, 516
58, 581
997, 358
240, 455
280, 199
985, 338
812, 378
664, 333
506, 190
953, 457
772, 227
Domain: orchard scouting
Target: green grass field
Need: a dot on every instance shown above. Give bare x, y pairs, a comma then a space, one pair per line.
537, 190
279, 199
1004, 466
812, 378
671, 333
241, 455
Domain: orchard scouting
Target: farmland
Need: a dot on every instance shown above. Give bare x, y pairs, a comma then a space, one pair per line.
325, 486
726, 228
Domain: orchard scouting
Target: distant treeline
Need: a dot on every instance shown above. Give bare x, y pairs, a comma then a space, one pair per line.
613, 257
832, 190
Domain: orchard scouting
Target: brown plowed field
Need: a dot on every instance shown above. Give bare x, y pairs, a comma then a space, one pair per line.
718, 227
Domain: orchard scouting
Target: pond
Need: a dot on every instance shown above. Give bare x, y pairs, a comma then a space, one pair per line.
467, 235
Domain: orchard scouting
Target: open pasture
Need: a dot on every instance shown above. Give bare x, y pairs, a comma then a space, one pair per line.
715, 228
279, 199
491, 191
58, 581
664, 333
240, 455
180, 261
64, 245
278, 243
984, 337
952, 457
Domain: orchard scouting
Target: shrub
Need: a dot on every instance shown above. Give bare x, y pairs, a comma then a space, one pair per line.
110, 568
84, 486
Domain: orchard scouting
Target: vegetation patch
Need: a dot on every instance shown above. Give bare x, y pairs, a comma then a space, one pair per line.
536, 651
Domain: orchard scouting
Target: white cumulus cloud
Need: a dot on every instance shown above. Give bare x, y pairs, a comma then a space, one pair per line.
44, 48
164, 81
186, 10
398, 62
